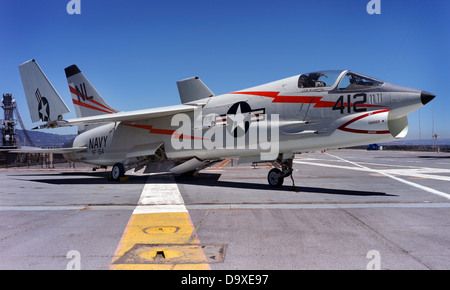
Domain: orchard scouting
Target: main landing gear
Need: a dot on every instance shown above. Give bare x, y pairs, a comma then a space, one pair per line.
276, 175
117, 171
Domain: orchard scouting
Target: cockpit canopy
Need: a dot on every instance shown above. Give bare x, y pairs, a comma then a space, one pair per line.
353, 81
328, 78
319, 79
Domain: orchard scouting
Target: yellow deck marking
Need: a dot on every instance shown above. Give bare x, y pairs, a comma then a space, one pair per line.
160, 224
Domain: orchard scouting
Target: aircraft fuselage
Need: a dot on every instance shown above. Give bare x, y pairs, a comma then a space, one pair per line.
287, 116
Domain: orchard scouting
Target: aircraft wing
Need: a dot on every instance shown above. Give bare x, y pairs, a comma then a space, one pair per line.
130, 116
50, 150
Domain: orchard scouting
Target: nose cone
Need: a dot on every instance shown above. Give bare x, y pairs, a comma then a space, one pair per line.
426, 97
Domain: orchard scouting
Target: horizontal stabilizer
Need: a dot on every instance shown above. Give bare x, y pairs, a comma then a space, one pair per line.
50, 150
193, 89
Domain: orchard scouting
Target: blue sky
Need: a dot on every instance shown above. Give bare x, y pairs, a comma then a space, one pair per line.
134, 51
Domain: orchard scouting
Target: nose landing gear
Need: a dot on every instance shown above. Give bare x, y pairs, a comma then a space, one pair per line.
276, 176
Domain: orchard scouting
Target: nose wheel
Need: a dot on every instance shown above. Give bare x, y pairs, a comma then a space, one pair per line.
276, 176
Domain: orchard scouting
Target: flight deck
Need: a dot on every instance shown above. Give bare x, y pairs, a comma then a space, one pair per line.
349, 209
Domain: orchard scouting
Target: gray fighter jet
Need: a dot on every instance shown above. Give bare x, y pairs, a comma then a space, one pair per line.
270, 122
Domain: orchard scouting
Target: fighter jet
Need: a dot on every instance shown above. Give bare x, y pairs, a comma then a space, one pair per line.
270, 122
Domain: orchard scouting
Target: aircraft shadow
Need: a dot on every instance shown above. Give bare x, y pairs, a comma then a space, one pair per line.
435, 157
69, 178
443, 156
212, 179
205, 179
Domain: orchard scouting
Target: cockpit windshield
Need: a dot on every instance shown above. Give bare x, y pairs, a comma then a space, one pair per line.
352, 81
318, 79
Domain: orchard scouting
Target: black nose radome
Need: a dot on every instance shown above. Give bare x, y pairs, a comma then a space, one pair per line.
426, 97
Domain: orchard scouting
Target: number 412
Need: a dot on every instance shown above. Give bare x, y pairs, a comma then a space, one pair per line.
358, 99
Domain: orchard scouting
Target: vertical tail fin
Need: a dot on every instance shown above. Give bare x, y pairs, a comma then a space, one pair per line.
86, 99
44, 102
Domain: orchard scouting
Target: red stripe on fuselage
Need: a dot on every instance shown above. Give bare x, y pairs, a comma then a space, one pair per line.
290, 99
343, 127
151, 130
317, 100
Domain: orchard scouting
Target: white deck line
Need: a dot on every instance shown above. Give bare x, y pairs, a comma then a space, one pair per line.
160, 197
383, 172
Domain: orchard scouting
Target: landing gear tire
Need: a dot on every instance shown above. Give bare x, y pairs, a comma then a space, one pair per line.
274, 178
117, 171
